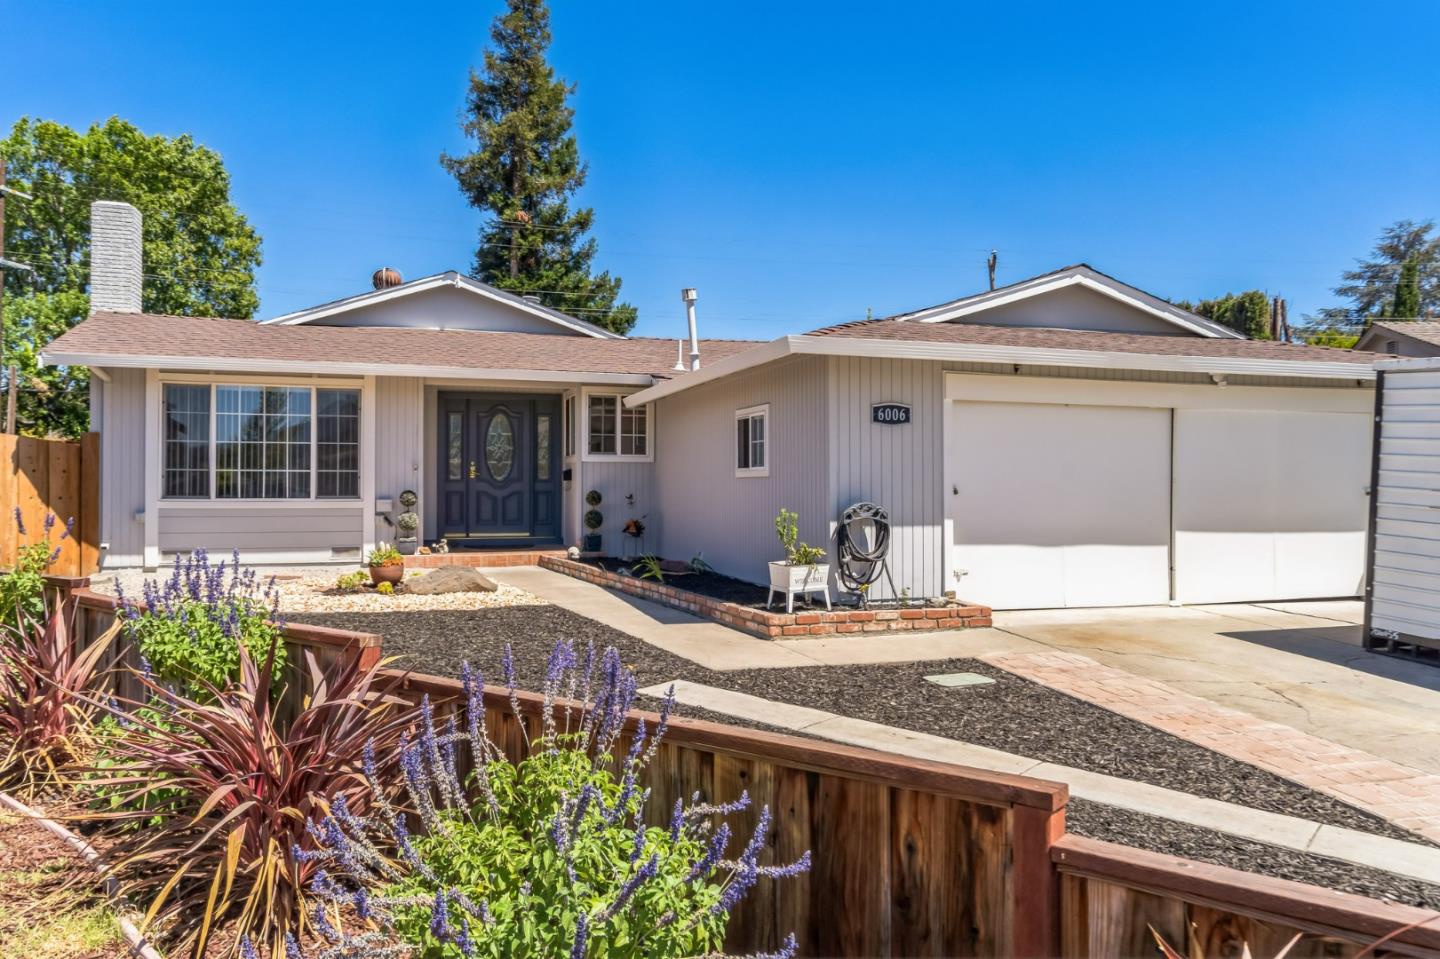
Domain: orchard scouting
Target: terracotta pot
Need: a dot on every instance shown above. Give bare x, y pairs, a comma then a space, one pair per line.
387, 574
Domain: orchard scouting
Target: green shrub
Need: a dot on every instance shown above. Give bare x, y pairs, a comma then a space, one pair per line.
190, 628
22, 588
350, 582
385, 589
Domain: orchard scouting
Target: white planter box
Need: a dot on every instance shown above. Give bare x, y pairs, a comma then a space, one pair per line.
798, 580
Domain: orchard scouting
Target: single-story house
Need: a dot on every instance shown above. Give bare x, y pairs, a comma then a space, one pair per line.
1402, 338
1064, 441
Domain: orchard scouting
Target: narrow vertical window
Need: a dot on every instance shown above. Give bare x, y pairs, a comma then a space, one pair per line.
603, 424
633, 434
337, 449
542, 447
187, 441
570, 425
455, 446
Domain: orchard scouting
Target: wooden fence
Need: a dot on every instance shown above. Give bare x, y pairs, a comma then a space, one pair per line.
914, 858
52, 477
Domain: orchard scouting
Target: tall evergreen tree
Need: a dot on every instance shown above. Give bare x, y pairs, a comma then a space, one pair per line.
523, 171
1407, 292
1371, 287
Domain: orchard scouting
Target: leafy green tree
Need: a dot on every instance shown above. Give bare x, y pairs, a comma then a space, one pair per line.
1407, 292
200, 252
1372, 286
523, 171
1247, 313
50, 401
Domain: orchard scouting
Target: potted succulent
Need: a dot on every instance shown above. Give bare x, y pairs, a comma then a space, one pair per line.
801, 571
594, 519
386, 564
407, 540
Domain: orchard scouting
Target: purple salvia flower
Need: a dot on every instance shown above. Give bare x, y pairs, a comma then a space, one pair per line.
627, 891
247, 949
785, 872
463, 940
69, 528
440, 917
292, 948
49, 524
706, 863
322, 923
20, 522
582, 930
787, 950
677, 820
638, 845
361, 902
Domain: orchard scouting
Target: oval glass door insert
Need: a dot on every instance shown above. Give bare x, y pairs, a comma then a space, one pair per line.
500, 447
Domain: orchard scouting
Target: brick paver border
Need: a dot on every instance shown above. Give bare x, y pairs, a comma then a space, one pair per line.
767, 625
1405, 796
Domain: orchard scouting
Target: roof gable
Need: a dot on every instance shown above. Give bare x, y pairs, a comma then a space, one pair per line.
1424, 334
445, 301
1077, 295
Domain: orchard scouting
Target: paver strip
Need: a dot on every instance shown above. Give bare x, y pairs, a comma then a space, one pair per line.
1290, 832
1407, 797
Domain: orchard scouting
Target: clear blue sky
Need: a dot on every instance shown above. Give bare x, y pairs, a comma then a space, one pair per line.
797, 163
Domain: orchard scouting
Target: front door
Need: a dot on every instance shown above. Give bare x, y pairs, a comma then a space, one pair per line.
499, 469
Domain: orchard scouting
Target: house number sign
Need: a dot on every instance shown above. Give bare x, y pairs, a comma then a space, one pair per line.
891, 414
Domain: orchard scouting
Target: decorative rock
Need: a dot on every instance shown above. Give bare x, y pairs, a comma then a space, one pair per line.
450, 579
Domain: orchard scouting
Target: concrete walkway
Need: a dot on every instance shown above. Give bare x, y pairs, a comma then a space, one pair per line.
1290, 832
721, 648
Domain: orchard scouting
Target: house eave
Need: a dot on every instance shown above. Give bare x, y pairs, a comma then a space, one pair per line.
213, 364
1010, 355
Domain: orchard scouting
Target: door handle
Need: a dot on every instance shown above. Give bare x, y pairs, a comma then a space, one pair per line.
472, 469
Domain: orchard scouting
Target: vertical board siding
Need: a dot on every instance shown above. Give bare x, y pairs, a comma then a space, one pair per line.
705, 508
399, 445
122, 450
898, 467
1406, 563
42, 479
614, 481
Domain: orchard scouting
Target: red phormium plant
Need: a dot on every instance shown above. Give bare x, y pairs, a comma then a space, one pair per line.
47, 694
234, 785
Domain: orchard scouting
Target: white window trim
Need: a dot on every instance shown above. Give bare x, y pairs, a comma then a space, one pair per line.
156, 483
582, 413
749, 412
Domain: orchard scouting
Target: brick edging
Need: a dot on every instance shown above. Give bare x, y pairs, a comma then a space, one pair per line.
780, 625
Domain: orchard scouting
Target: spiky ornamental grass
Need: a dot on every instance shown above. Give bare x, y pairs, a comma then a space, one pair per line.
191, 627
225, 785
547, 857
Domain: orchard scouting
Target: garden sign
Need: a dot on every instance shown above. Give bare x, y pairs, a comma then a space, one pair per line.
891, 414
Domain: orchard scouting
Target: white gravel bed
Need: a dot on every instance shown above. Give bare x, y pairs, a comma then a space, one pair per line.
313, 590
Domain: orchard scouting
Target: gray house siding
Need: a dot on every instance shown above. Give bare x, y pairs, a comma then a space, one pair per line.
446, 308
614, 481
122, 458
263, 530
705, 507
399, 445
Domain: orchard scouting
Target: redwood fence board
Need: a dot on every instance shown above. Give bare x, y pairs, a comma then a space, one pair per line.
914, 858
52, 477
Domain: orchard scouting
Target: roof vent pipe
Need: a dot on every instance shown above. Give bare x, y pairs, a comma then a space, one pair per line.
679, 356
688, 295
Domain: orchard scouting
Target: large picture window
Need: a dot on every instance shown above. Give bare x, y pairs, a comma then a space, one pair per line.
616, 430
244, 442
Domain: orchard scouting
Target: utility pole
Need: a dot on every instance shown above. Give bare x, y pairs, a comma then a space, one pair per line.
991, 264
1279, 322
11, 372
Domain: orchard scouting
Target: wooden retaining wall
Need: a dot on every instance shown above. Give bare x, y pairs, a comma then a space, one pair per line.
915, 858
58, 477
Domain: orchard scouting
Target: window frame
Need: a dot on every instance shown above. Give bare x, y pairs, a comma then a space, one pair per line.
582, 414
762, 413
211, 501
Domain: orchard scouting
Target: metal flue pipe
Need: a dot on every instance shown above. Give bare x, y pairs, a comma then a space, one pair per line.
688, 295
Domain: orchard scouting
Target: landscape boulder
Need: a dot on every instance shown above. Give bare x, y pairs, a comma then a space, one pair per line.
450, 579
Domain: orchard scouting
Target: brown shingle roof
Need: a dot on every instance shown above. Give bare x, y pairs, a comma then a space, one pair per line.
1423, 330
203, 338
1054, 339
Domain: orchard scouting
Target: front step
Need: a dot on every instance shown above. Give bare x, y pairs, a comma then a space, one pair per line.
482, 558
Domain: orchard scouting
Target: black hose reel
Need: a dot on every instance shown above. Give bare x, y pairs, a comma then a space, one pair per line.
862, 542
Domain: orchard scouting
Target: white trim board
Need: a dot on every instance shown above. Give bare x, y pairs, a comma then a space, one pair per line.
1078, 276
451, 279
837, 345
987, 387
202, 364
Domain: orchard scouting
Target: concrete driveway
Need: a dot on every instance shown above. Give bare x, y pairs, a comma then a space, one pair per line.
1297, 663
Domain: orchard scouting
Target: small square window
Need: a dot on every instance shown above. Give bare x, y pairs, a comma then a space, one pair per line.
752, 441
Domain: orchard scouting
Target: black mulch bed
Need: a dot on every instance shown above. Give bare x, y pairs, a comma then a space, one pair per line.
1012, 714
727, 589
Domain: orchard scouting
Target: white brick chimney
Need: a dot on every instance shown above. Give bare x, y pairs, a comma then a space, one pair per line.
115, 264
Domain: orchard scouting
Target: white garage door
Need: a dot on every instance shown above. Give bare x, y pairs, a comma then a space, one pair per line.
1269, 504
1060, 505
